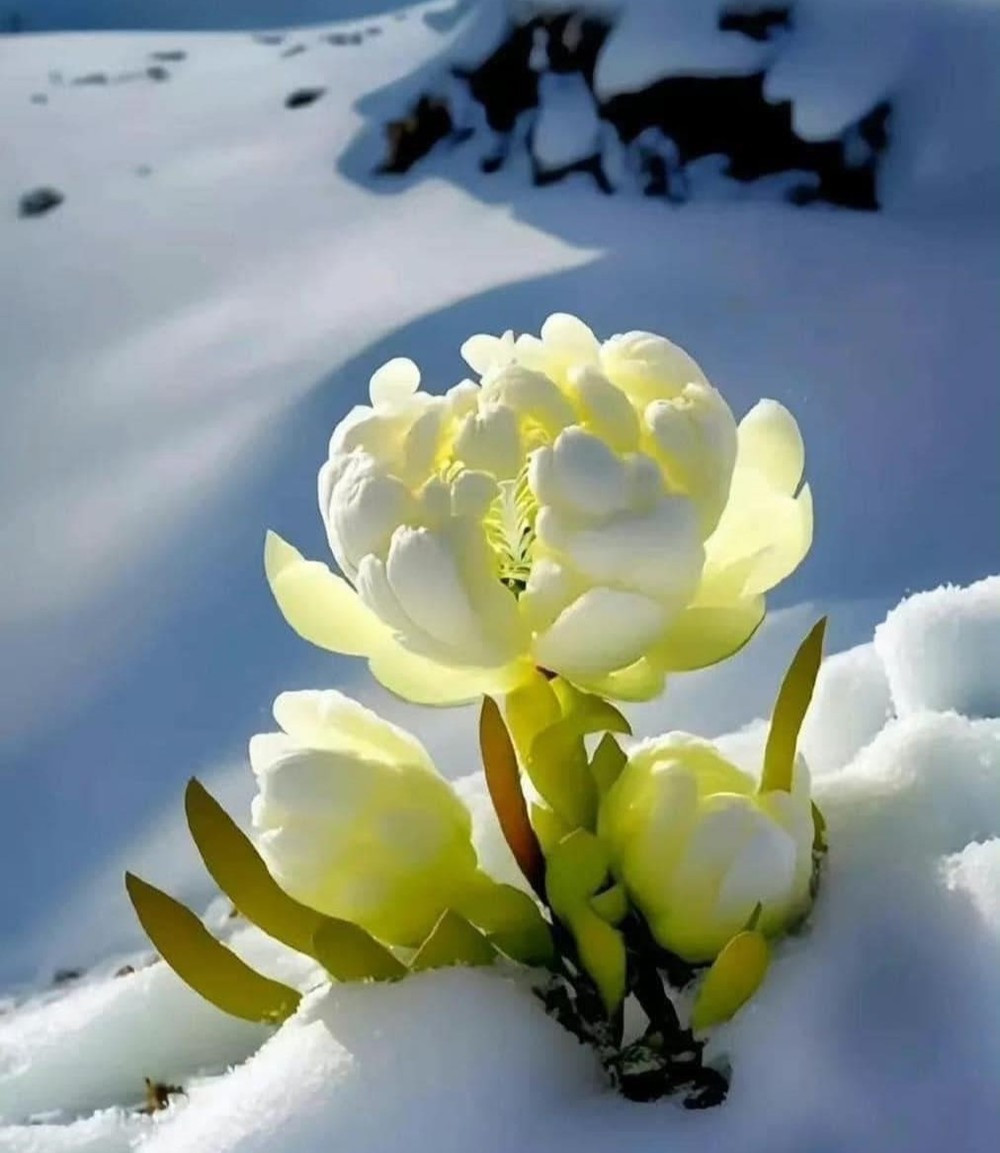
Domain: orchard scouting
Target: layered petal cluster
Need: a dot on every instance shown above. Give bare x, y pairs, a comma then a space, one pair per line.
353, 819
587, 508
699, 847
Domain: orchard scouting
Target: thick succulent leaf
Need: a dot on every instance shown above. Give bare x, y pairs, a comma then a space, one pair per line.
511, 919
529, 709
559, 771
549, 826
576, 871
453, 941
790, 711
589, 713
205, 964
353, 955
607, 763
736, 974
350, 953
611, 905
503, 779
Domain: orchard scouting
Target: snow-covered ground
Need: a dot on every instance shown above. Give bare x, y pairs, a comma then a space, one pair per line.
180, 335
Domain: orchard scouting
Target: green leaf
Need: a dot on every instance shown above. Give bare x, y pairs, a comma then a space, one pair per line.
576, 872
203, 963
790, 710
736, 974
611, 905
819, 829
503, 779
590, 713
453, 941
511, 920
607, 763
530, 708
350, 953
558, 769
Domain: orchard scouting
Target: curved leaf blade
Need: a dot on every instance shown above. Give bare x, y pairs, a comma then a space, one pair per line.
736, 974
503, 779
790, 710
453, 941
205, 964
350, 952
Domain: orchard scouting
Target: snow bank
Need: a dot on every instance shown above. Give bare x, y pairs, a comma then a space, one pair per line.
92, 1046
941, 650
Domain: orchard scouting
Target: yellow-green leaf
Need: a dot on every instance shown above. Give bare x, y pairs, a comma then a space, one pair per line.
819, 829
607, 763
558, 769
529, 709
350, 953
736, 974
453, 941
590, 713
549, 826
503, 779
205, 964
790, 710
511, 920
576, 870
611, 905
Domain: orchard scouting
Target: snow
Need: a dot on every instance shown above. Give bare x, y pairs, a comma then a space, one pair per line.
875, 1031
941, 650
567, 128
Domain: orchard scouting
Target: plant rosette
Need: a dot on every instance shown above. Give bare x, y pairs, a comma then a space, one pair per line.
585, 519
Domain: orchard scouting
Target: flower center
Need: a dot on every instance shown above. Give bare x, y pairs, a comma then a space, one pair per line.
510, 531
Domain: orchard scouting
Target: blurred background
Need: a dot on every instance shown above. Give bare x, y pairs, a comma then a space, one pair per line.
217, 219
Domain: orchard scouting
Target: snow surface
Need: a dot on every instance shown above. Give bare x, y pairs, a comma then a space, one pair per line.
876, 1030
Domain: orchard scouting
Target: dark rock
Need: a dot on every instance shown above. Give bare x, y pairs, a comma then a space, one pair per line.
410, 139
303, 97
269, 38
92, 78
759, 24
373, 30
157, 73
39, 201
143, 170
293, 50
39, 98
173, 56
125, 971
65, 976
340, 39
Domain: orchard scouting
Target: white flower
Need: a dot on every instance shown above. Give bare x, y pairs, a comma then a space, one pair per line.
353, 819
587, 508
698, 847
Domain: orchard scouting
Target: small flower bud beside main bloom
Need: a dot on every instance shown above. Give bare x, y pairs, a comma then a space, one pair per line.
590, 509
353, 819
699, 847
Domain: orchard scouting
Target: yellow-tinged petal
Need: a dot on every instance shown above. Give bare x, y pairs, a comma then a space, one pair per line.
791, 533
770, 442
321, 607
736, 974
704, 635
425, 682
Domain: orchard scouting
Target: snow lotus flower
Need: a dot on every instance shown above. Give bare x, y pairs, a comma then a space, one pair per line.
589, 509
353, 819
699, 846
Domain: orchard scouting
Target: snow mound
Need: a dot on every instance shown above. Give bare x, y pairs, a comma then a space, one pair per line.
851, 705
91, 1047
450, 1061
941, 650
